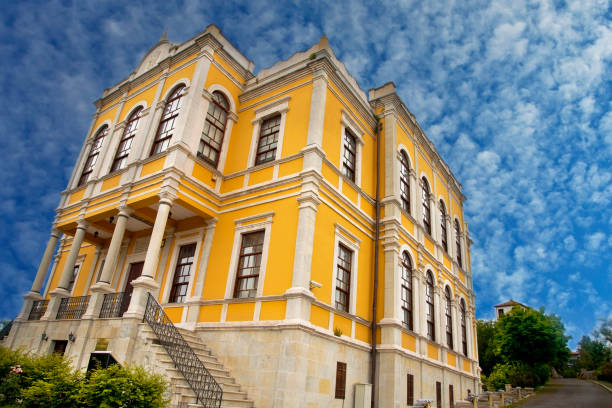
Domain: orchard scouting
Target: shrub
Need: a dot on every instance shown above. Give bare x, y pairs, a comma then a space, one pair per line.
517, 374
117, 386
49, 382
605, 372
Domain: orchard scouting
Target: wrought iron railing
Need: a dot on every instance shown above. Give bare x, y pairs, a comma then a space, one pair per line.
115, 304
39, 307
72, 307
207, 390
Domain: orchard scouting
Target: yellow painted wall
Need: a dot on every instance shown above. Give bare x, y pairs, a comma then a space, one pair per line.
408, 342
343, 324
215, 76
153, 166
174, 313
147, 96
432, 351
210, 313
240, 312
273, 310
111, 182
319, 316
451, 359
173, 78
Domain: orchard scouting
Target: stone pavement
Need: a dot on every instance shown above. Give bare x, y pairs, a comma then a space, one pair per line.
569, 392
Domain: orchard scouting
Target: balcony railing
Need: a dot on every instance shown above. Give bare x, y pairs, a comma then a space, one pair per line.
208, 392
115, 304
72, 307
39, 307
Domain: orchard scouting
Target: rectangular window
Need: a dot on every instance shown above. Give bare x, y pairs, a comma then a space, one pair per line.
75, 273
340, 380
451, 396
249, 263
438, 394
182, 273
343, 278
410, 390
268, 140
350, 154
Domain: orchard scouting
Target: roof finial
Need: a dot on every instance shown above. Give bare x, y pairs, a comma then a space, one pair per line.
164, 36
323, 42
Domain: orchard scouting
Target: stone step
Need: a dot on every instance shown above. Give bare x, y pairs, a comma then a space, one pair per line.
210, 365
233, 394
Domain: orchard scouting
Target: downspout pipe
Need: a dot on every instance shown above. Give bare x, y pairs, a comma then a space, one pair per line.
373, 353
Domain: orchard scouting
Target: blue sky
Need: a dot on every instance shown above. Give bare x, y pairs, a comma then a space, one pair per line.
515, 96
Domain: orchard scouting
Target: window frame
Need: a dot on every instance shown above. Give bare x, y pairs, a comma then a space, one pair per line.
259, 159
244, 226
463, 319
448, 315
430, 309
404, 172
239, 277
406, 290
177, 94
348, 240
348, 271
425, 195
458, 246
214, 104
347, 123
349, 155
443, 229
340, 386
173, 297
128, 134
93, 155
280, 106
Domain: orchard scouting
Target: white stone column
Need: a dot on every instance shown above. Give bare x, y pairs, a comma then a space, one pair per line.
456, 327
62, 288
317, 108
146, 282
77, 241
100, 288
35, 291
298, 303
112, 255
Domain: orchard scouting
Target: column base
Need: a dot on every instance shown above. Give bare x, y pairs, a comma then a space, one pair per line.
29, 299
298, 304
98, 290
142, 286
56, 296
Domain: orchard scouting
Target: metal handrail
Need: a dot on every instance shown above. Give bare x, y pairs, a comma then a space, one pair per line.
39, 307
72, 307
115, 304
208, 392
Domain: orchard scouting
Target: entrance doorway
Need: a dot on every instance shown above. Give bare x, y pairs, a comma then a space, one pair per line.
135, 272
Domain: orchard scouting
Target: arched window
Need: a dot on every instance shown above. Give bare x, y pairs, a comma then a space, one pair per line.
449, 319
458, 242
168, 121
94, 152
463, 328
426, 208
443, 226
214, 129
406, 294
429, 307
125, 145
405, 182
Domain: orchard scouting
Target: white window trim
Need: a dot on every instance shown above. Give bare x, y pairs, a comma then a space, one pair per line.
398, 303
349, 240
266, 225
118, 135
347, 122
229, 122
184, 238
398, 170
279, 106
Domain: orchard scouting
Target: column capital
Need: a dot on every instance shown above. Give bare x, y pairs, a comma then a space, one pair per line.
125, 211
56, 232
167, 197
82, 224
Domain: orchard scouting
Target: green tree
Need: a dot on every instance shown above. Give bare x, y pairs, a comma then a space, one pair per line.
593, 353
605, 331
486, 351
531, 337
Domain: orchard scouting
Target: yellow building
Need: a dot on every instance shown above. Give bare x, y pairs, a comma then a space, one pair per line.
245, 208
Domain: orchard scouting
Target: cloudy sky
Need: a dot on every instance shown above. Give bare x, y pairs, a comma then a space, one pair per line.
514, 94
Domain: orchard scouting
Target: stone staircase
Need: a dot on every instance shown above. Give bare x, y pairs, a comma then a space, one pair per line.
181, 394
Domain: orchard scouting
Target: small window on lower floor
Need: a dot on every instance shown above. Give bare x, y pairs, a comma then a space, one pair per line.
182, 274
438, 394
340, 380
59, 346
451, 396
410, 390
249, 263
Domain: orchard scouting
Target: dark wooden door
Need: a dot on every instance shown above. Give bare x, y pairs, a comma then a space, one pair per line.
135, 271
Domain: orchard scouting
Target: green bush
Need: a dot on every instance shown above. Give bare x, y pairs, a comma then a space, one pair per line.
517, 374
124, 387
49, 382
605, 373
